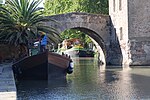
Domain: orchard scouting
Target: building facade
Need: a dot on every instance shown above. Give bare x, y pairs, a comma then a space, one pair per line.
131, 28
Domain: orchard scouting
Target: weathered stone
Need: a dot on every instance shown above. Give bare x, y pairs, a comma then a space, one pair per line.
133, 19
97, 26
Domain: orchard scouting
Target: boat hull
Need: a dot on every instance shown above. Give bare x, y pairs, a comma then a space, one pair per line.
42, 66
79, 53
55, 72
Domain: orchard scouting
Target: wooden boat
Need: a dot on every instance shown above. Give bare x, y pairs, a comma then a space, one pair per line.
79, 52
43, 66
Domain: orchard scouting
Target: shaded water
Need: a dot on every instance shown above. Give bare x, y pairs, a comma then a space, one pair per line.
89, 82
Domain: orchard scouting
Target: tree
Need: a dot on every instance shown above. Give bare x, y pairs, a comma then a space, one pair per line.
75, 33
21, 21
52, 7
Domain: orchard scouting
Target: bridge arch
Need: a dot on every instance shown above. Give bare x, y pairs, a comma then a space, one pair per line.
94, 25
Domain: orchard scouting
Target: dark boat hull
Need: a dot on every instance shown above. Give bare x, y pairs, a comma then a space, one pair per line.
37, 73
42, 66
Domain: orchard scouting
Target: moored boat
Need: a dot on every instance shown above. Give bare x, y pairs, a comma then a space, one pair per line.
78, 51
43, 66
74, 48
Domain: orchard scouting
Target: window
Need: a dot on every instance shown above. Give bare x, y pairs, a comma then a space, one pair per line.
114, 6
120, 4
121, 33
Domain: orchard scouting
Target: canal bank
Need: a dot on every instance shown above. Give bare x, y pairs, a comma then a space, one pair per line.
7, 82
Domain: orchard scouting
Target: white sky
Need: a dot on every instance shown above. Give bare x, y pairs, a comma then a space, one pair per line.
41, 5
2, 1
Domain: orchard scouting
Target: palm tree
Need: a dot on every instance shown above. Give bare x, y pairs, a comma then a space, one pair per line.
21, 22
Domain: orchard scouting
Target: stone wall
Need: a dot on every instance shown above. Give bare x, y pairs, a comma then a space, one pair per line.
135, 22
139, 31
119, 32
139, 18
140, 52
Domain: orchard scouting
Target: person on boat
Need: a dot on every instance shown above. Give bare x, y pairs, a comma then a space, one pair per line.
43, 43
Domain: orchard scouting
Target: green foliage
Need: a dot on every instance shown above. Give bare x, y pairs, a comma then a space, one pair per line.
74, 33
52, 7
21, 21
71, 33
94, 6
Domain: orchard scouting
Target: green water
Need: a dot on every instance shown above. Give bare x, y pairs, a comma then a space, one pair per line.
90, 82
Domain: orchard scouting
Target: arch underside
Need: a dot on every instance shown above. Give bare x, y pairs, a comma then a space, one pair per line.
96, 38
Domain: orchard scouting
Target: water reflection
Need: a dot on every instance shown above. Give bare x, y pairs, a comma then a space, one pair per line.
89, 82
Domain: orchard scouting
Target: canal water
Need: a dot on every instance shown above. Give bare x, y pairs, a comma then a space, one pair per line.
90, 82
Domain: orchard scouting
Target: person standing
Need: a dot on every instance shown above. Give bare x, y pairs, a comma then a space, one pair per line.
43, 43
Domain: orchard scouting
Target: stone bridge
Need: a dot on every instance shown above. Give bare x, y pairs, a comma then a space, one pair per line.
97, 26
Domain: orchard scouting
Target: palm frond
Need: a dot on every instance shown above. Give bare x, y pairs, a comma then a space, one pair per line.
21, 20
